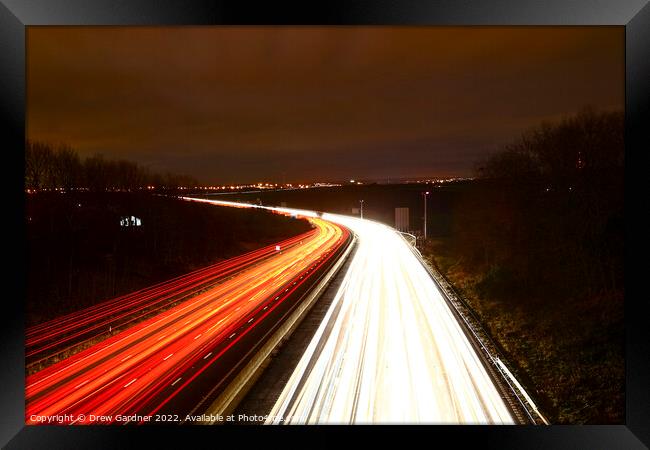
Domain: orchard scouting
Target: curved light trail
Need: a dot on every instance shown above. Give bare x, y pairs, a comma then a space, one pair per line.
389, 349
152, 364
62, 333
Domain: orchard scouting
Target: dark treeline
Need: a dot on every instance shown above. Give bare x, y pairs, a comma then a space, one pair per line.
51, 167
536, 246
549, 214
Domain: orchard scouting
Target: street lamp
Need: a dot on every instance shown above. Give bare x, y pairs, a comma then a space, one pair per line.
361, 209
425, 194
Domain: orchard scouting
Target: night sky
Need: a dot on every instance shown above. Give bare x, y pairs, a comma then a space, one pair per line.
248, 104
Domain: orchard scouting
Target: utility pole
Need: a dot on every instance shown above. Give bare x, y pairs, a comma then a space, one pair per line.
425, 194
361, 209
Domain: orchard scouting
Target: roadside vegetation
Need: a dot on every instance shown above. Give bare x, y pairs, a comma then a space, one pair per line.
536, 248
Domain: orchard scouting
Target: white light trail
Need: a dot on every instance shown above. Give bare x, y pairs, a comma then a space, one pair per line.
389, 349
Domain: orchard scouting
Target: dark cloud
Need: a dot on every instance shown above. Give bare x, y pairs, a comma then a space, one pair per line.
251, 103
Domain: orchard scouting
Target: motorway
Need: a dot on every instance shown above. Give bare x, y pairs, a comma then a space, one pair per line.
166, 362
389, 349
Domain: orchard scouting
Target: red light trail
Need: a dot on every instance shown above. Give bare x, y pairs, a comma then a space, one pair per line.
156, 365
82, 326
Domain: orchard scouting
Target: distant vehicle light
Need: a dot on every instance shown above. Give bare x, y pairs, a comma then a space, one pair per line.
131, 221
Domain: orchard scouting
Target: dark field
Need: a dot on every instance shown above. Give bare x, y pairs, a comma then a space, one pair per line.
79, 255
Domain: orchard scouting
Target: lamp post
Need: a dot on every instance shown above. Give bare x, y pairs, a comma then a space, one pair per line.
361, 209
425, 195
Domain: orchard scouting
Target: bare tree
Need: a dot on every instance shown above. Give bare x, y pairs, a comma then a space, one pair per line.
38, 157
50, 167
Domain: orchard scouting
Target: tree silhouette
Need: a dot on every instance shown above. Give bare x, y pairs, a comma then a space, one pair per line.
60, 167
550, 209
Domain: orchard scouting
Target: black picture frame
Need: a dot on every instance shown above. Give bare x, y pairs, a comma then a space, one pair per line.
15, 15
